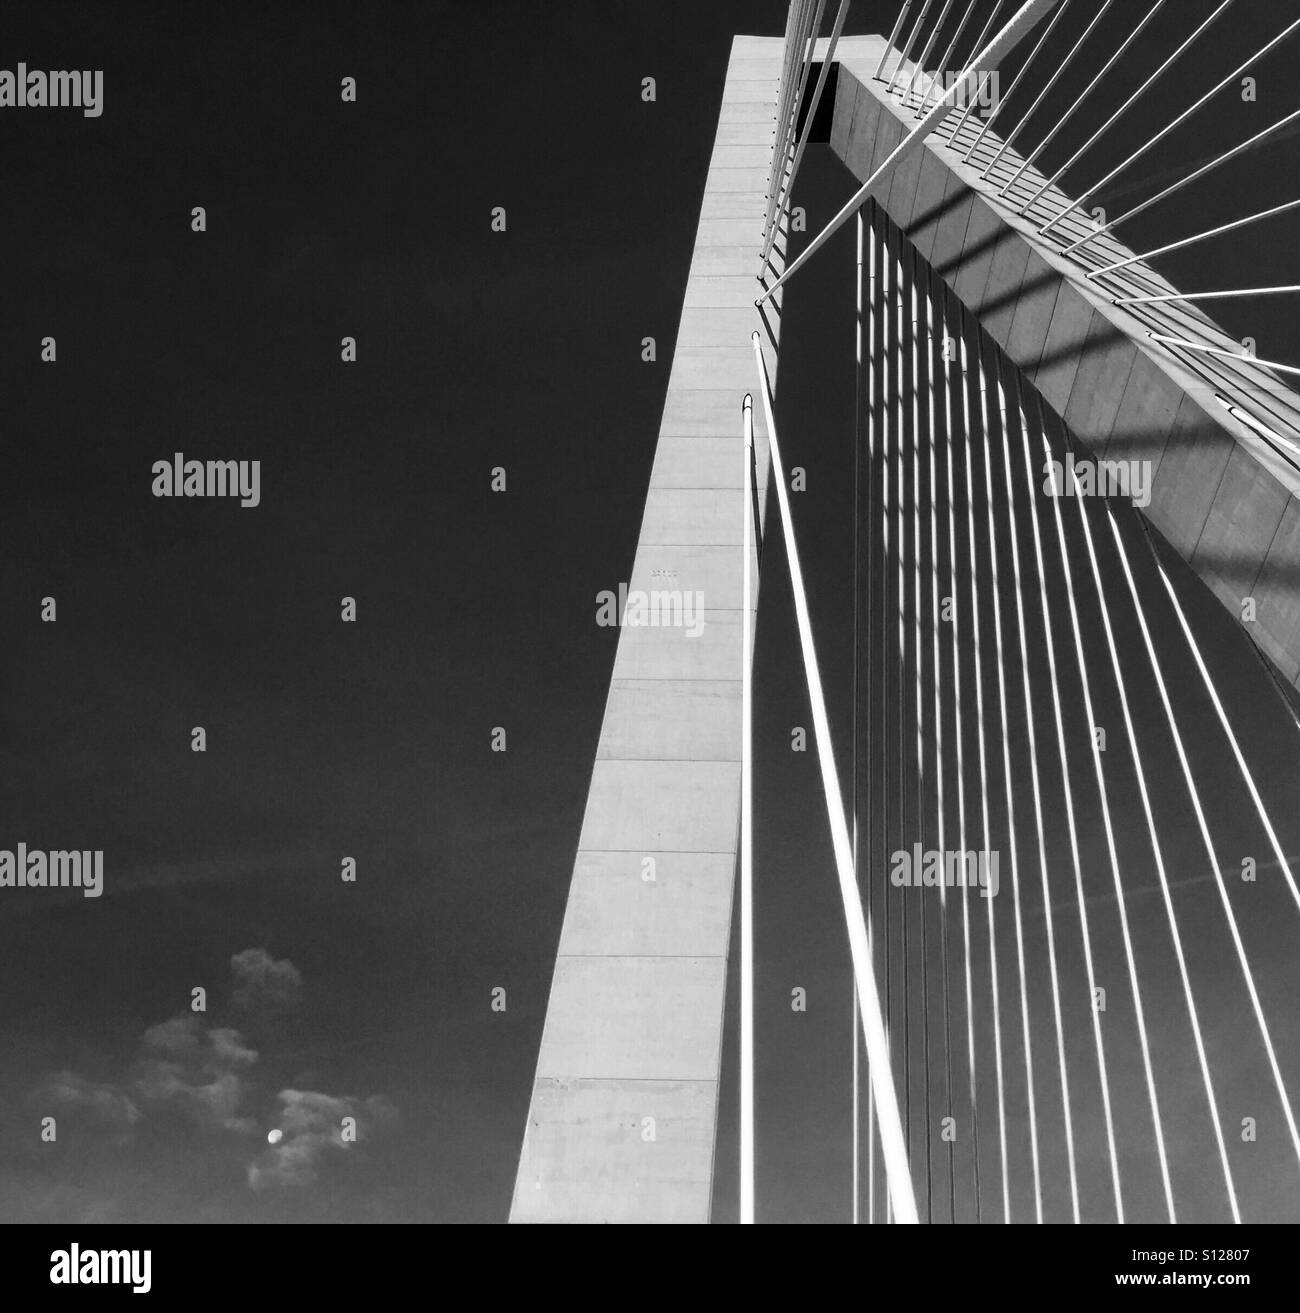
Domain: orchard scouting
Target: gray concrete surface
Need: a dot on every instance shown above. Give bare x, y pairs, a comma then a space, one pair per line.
624, 1105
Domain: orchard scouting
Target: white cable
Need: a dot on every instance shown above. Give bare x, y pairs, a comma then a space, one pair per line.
1078, 155
911, 40
1171, 190
958, 727
1199, 237
961, 781
1028, 161
1207, 296
806, 33
984, 81
893, 36
1090, 714
871, 455
857, 561
919, 66
1011, 822
891, 1128
1030, 719
1159, 857
788, 189
1282, 862
920, 706
1166, 340
900, 339
888, 293
946, 56
1070, 824
1038, 100
1015, 82
1208, 842
746, 836
1164, 132
984, 811
938, 714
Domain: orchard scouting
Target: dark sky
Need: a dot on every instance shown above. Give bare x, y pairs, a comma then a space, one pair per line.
475, 609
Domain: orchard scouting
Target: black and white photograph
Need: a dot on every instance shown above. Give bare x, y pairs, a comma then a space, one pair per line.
649, 613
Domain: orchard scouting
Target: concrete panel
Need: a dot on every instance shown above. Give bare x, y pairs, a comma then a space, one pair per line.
755, 155
1187, 478
624, 905
743, 232
733, 205
844, 120
970, 276
713, 571
931, 188
586, 1159
1033, 313
1002, 291
711, 368
717, 326
673, 720
744, 46
762, 91
720, 293
692, 517
1243, 521
753, 179
950, 235
700, 412
884, 141
861, 143
754, 131
645, 653
1105, 363
699, 462
659, 1019
1147, 412
1064, 349
748, 111
758, 68
727, 261
645, 806
902, 189
1277, 595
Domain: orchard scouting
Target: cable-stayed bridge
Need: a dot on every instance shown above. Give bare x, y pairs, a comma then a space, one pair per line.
1063, 860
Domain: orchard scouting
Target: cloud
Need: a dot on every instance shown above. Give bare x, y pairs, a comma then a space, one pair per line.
312, 1125
104, 1101
195, 1067
186, 1064
204, 1072
263, 983
133, 880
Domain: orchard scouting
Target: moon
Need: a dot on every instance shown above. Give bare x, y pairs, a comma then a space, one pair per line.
274, 1137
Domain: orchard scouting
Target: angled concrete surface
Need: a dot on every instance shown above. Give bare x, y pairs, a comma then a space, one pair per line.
624, 1105
1221, 495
